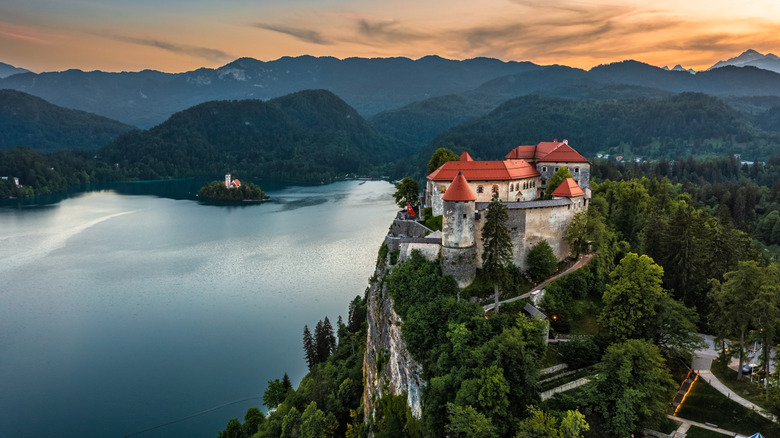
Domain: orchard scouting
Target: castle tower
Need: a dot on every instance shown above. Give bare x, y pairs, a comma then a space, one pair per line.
458, 242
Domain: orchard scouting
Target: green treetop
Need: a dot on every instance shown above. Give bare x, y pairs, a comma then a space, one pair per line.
407, 191
441, 156
630, 300
556, 180
496, 245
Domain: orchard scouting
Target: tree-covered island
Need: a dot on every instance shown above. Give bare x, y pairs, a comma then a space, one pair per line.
231, 191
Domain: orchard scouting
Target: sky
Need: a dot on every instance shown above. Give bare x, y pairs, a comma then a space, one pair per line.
183, 35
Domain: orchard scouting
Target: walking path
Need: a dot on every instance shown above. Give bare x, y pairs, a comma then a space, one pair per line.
702, 362
686, 424
584, 260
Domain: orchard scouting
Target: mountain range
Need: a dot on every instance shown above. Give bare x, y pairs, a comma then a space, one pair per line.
371, 86
9, 70
752, 58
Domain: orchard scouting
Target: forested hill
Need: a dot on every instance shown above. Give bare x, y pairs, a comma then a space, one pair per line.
148, 97
682, 125
32, 122
310, 136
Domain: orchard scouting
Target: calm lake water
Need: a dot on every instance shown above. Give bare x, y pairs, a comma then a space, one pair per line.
121, 310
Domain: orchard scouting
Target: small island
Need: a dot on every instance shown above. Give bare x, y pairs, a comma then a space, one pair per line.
231, 190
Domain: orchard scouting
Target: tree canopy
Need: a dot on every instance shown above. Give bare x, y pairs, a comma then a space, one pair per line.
496, 246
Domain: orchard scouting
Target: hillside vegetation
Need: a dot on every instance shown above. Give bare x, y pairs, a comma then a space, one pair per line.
32, 122
686, 124
309, 136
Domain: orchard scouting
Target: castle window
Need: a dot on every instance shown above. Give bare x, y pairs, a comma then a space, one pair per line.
544, 168
511, 187
464, 215
576, 169
495, 189
556, 169
443, 189
480, 189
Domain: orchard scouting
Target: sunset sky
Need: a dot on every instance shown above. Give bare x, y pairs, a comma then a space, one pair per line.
182, 35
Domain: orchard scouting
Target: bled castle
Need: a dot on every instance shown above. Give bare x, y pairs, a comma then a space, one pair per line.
461, 191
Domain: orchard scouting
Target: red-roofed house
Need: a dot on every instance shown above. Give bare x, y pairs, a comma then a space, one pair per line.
549, 156
513, 180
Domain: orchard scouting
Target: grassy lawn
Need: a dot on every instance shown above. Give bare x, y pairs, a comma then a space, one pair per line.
744, 388
669, 426
698, 432
706, 405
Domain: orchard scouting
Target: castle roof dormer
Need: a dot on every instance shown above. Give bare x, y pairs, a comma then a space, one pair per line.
568, 189
459, 190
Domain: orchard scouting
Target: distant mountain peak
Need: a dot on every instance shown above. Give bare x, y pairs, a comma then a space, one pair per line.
752, 58
9, 70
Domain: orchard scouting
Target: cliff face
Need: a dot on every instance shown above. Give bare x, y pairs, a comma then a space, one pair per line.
387, 365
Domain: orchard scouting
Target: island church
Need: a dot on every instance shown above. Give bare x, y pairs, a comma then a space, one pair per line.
461, 191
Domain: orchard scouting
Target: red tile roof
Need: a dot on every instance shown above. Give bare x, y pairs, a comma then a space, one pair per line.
459, 190
465, 157
547, 151
485, 170
568, 189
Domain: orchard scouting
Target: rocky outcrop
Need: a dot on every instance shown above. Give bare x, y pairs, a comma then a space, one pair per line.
387, 365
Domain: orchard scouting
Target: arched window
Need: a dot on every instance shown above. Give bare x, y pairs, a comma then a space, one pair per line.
480, 189
495, 189
512, 187
443, 189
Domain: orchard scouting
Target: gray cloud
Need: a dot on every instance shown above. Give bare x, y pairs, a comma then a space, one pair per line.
387, 32
305, 35
212, 55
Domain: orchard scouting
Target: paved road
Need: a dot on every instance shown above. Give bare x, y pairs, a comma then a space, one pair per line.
584, 260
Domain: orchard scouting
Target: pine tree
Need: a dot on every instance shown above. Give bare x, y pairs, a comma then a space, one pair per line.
286, 384
309, 347
330, 338
497, 246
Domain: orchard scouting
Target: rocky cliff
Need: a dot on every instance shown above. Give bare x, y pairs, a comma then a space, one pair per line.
387, 365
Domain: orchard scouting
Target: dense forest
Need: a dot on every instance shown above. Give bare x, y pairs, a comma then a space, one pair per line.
30, 121
307, 136
682, 125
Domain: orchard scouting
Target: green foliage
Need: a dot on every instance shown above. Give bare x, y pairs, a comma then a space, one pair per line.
407, 191
395, 418
216, 191
663, 127
441, 156
541, 261
274, 394
306, 136
416, 281
630, 300
433, 222
42, 174
546, 425
466, 422
633, 387
555, 180
496, 246
30, 121
748, 298
580, 352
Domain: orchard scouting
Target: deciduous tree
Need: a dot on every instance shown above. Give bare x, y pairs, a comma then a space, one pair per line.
631, 299
632, 388
441, 156
407, 191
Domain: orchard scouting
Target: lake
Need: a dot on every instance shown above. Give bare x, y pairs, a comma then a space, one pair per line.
133, 306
